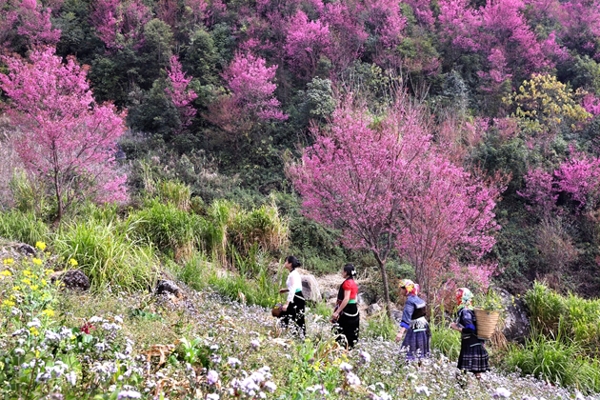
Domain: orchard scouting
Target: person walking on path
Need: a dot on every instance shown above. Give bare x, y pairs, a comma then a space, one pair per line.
414, 323
345, 315
294, 308
473, 355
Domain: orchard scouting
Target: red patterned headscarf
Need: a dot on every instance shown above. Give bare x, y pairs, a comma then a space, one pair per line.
410, 286
464, 298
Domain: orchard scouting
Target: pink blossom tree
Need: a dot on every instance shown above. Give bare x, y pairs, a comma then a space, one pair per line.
446, 213
34, 23
66, 138
577, 177
499, 32
306, 41
252, 87
386, 187
179, 93
118, 23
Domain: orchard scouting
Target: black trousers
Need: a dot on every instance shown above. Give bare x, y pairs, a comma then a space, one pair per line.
295, 315
348, 326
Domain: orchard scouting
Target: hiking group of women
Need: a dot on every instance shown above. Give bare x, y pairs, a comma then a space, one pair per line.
413, 331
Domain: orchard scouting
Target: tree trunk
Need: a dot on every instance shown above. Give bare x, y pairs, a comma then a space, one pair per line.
386, 286
59, 204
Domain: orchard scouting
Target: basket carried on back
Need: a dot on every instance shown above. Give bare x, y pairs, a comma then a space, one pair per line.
486, 323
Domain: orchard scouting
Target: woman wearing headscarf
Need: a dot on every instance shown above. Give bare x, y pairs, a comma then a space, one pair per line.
294, 307
473, 355
416, 341
345, 315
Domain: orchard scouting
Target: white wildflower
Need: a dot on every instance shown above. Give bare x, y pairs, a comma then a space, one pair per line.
129, 394
422, 390
345, 367
212, 377
35, 323
352, 379
71, 378
232, 361
270, 386
365, 357
501, 392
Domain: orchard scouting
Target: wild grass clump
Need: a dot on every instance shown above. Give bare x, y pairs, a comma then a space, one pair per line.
23, 227
171, 230
380, 326
555, 361
564, 340
107, 255
569, 317
445, 340
263, 227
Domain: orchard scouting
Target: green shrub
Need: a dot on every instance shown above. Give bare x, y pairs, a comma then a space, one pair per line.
173, 231
23, 227
29, 195
107, 255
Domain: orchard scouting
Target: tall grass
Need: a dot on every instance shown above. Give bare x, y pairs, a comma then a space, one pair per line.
569, 317
172, 230
23, 227
555, 361
380, 326
176, 193
29, 195
263, 227
444, 339
107, 255
564, 340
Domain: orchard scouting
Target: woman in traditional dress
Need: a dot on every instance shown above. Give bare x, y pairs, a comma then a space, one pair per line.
473, 355
294, 307
345, 315
416, 341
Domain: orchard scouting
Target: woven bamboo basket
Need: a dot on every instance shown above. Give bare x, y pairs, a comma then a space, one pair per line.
486, 323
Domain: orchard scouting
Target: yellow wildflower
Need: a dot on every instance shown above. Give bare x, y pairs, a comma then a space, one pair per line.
73, 262
27, 273
34, 287
8, 303
44, 283
49, 271
6, 273
16, 288
36, 261
34, 331
8, 261
40, 245
48, 312
26, 281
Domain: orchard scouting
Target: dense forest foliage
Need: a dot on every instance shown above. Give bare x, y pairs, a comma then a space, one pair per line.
226, 96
